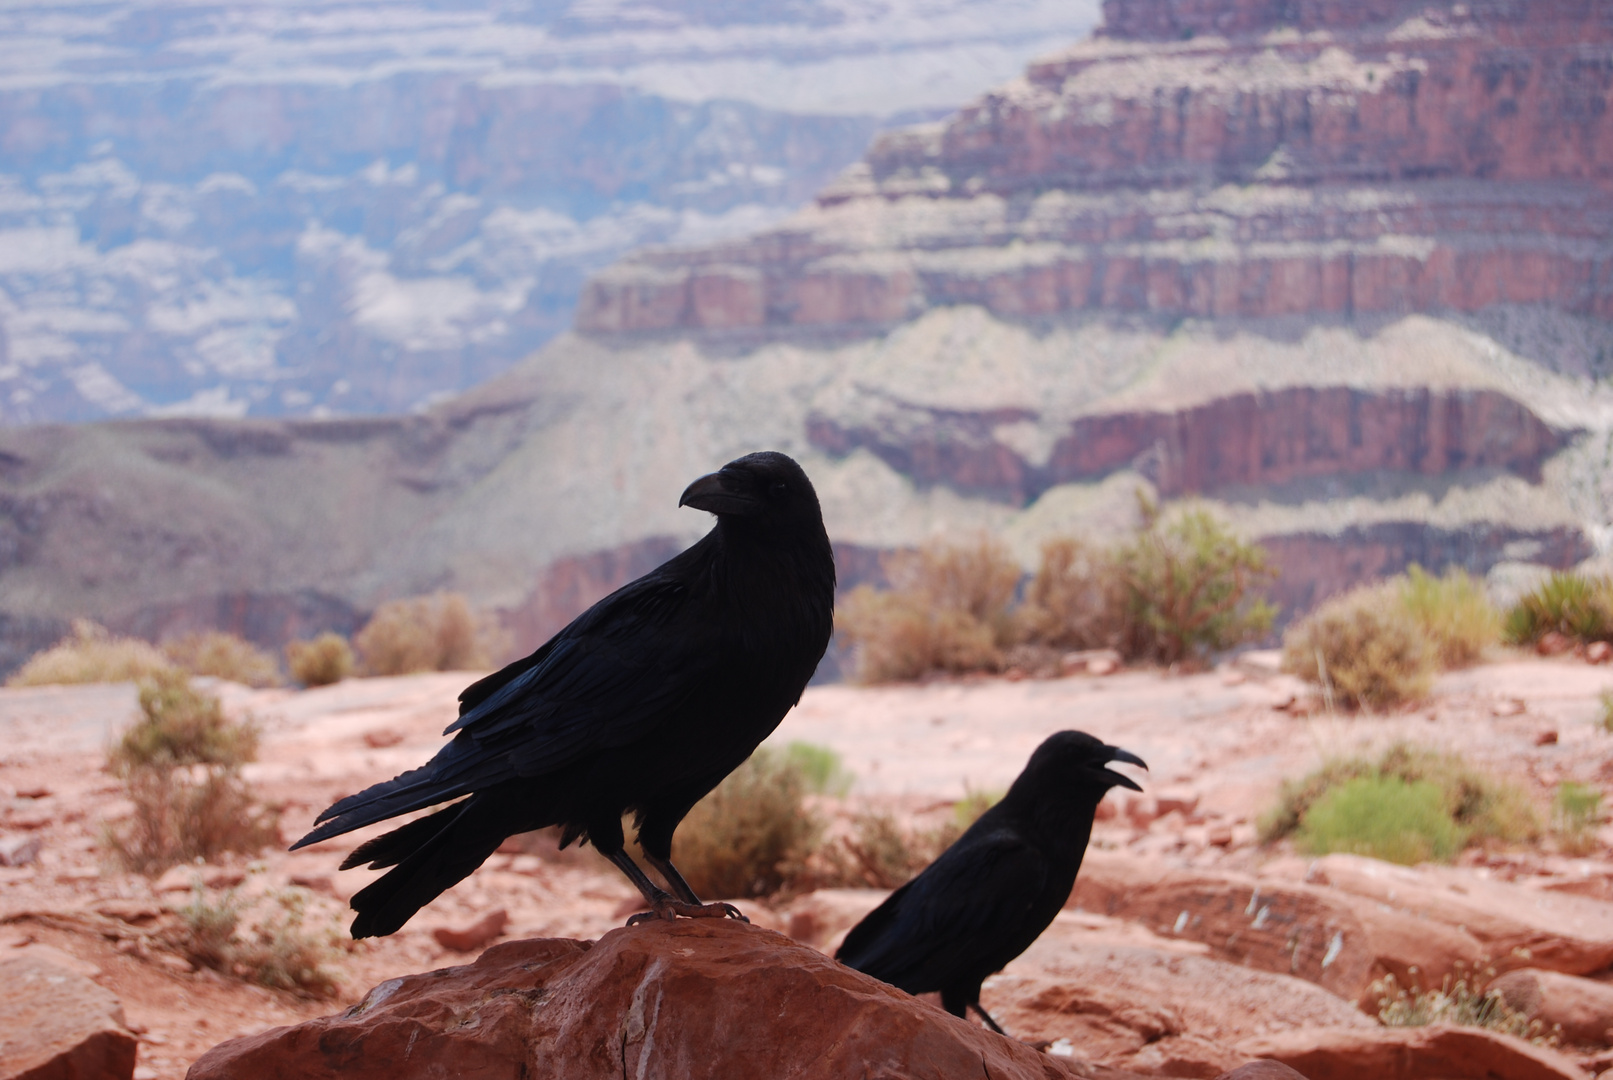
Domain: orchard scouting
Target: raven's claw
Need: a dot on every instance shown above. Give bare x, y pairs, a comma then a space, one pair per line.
669, 909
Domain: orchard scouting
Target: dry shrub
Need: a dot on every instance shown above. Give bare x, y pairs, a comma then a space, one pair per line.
1453, 612
948, 611
325, 660
423, 633
752, 834
882, 853
1077, 600
1576, 811
268, 943
180, 764
1466, 1003
224, 656
1363, 648
1189, 585
91, 655
1578, 607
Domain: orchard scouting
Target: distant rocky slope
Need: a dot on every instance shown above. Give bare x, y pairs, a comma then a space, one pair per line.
333, 206
1340, 270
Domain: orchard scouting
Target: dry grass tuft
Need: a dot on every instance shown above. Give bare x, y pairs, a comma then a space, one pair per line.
268, 943
1454, 614
948, 611
224, 656
1363, 648
423, 633
1465, 1003
752, 834
324, 661
180, 765
91, 655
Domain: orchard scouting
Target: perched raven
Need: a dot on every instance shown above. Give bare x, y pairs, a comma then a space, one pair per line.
993, 892
644, 703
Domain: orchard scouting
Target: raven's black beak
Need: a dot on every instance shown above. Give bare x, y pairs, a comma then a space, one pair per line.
1121, 779
715, 494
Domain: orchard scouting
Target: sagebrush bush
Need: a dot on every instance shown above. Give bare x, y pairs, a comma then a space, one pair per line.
322, 661
752, 834
1189, 585
1576, 811
91, 655
1576, 606
180, 765
1363, 648
1391, 795
948, 610
224, 656
1453, 613
1077, 599
422, 633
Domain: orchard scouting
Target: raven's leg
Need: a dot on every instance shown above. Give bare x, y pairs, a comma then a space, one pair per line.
958, 1001
986, 1016
656, 843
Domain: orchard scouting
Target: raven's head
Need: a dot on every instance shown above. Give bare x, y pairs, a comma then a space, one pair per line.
1075, 756
766, 488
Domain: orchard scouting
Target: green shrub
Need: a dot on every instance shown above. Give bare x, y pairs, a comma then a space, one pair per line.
423, 633
1576, 810
223, 656
1478, 806
1363, 648
180, 765
948, 610
325, 660
1189, 587
1453, 612
752, 834
1384, 817
91, 655
820, 768
1571, 604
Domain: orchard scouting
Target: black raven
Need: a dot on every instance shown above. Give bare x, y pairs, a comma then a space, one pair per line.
994, 891
643, 704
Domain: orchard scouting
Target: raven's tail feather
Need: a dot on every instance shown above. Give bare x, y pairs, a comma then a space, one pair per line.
429, 856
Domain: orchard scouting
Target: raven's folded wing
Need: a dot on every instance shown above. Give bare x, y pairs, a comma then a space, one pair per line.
952, 918
604, 681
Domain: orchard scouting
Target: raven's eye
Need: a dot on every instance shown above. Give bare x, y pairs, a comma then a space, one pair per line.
777, 489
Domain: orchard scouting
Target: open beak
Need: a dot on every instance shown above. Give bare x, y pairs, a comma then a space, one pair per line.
713, 494
1121, 779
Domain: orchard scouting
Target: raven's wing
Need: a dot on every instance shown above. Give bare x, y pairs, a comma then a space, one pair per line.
602, 682
954, 918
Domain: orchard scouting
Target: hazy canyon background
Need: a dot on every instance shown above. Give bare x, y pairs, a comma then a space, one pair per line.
1340, 270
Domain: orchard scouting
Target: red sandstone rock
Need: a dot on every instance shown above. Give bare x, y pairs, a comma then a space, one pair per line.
1599, 652
1262, 1070
687, 999
57, 1025
1418, 1053
474, 936
1583, 1008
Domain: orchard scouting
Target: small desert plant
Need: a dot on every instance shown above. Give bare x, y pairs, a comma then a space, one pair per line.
1384, 817
1363, 648
325, 660
180, 764
423, 633
752, 834
224, 656
1410, 805
820, 768
884, 854
1576, 810
1189, 586
1464, 1003
948, 611
1606, 717
1567, 603
1453, 612
91, 655
279, 951
1077, 599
